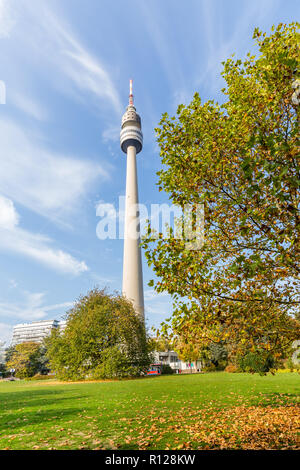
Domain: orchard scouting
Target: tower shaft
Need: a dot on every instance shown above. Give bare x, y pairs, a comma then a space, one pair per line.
131, 140
132, 261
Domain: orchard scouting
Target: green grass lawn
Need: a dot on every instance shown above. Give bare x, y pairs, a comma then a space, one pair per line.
213, 410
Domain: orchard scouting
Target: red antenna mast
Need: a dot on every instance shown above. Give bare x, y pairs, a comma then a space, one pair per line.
130, 93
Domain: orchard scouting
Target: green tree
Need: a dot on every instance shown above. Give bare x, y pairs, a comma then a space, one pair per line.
2, 360
24, 359
241, 161
254, 362
217, 354
160, 343
2, 370
104, 338
8, 353
43, 366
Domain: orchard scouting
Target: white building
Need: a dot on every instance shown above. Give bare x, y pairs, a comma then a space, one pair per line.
62, 325
35, 331
171, 358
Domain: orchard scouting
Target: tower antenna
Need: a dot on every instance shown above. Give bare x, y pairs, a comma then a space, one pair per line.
130, 93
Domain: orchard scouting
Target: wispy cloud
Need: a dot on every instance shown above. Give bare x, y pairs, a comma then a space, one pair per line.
28, 105
182, 97
68, 56
219, 48
6, 18
157, 30
157, 305
17, 240
50, 183
112, 133
5, 334
30, 307
13, 284
9, 218
102, 281
45, 182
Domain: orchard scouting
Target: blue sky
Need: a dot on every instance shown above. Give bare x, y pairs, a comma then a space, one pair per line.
66, 66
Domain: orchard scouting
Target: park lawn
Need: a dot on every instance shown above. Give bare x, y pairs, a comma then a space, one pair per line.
202, 411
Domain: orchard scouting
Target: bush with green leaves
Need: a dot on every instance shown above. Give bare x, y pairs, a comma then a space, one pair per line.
291, 365
209, 367
231, 368
218, 354
25, 359
40, 377
104, 338
9, 353
166, 369
3, 370
254, 362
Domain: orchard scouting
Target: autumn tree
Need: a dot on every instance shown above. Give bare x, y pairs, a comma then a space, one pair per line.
104, 338
25, 359
8, 353
161, 344
240, 160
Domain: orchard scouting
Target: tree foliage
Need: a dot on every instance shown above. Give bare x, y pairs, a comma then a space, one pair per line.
25, 359
3, 370
240, 159
104, 338
161, 344
253, 362
9, 353
43, 367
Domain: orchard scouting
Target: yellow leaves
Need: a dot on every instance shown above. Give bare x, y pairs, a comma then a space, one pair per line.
251, 427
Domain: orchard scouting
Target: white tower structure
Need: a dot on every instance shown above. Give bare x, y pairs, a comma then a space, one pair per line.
131, 139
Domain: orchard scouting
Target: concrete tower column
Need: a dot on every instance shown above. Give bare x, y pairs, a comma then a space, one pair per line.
131, 143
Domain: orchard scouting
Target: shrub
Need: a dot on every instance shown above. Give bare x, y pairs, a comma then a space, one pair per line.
115, 364
283, 371
290, 364
3, 370
167, 369
209, 368
40, 377
104, 338
24, 359
218, 354
231, 368
221, 365
256, 362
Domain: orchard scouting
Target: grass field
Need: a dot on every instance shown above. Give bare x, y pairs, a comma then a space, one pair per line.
203, 411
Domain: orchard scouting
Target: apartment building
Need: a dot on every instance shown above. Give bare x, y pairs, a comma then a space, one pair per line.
35, 331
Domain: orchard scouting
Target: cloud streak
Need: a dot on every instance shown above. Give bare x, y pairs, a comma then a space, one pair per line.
28, 106
157, 305
5, 334
34, 246
6, 19
70, 58
32, 307
219, 48
48, 183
